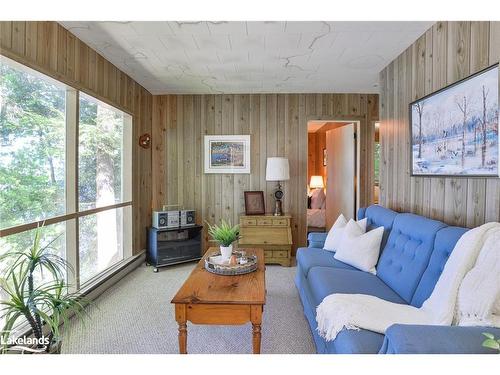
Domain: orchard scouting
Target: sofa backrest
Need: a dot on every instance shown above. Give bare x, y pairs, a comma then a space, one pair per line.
378, 216
406, 255
444, 244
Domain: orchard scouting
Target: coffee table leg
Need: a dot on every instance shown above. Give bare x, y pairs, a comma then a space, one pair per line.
256, 319
181, 318
182, 338
256, 338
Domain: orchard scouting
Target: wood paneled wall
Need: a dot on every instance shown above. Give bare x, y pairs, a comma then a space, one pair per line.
446, 53
54, 51
277, 124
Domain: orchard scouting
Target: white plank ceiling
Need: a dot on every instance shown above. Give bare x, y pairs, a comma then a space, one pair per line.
251, 57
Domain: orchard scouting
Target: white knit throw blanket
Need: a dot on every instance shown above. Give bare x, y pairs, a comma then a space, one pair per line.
355, 311
478, 300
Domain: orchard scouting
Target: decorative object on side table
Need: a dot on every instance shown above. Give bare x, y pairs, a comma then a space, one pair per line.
254, 203
224, 234
271, 233
277, 169
454, 131
35, 289
227, 154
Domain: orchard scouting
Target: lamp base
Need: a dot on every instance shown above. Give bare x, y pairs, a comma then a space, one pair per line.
278, 211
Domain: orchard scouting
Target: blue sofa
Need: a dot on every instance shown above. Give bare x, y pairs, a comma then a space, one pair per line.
414, 251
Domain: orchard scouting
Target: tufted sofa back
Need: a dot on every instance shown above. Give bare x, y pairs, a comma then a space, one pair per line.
406, 255
378, 216
444, 244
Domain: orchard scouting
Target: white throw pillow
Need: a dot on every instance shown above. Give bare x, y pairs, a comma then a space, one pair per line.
334, 236
358, 249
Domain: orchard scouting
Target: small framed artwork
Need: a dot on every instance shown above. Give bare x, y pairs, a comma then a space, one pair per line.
254, 203
227, 154
324, 157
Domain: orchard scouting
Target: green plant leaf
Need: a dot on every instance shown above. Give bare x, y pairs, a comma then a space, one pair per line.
489, 335
492, 344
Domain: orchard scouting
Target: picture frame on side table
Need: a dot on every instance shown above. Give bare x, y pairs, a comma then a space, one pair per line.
227, 154
254, 203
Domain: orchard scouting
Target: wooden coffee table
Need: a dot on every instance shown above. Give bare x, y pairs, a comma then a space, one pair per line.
206, 298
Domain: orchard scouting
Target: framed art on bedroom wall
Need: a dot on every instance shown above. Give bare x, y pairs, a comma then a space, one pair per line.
227, 154
454, 131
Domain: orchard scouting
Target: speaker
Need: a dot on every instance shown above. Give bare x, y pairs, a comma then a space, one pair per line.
187, 218
165, 219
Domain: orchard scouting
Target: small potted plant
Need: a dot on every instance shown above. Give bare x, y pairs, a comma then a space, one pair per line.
225, 235
491, 342
34, 281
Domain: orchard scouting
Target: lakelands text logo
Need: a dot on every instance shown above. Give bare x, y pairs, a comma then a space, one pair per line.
31, 344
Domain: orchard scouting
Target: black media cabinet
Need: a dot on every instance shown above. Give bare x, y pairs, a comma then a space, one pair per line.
173, 245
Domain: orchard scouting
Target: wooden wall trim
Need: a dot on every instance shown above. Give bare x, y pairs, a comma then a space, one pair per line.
447, 52
52, 50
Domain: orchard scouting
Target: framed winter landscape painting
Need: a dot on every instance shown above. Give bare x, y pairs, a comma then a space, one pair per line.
454, 131
227, 154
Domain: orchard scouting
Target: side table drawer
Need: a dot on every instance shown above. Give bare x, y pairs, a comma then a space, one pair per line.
268, 253
263, 235
280, 254
248, 221
265, 221
280, 222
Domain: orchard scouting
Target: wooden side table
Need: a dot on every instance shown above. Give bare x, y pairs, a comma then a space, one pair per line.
271, 233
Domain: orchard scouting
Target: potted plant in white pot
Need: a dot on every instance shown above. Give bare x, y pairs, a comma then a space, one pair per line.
34, 281
224, 234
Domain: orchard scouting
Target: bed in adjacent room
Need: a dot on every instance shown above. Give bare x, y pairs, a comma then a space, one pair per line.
316, 211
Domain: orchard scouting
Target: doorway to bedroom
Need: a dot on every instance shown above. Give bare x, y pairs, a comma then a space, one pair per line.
332, 170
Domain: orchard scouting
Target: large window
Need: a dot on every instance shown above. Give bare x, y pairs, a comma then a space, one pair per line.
32, 146
65, 160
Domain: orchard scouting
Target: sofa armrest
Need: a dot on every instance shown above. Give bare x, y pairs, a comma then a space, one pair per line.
427, 339
317, 239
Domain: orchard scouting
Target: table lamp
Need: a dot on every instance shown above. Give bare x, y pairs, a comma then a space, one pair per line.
316, 182
277, 169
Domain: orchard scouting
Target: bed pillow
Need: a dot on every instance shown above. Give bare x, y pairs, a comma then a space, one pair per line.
317, 198
359, 249
334, 236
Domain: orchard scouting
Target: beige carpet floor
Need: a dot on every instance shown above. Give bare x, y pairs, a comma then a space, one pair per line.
135, 316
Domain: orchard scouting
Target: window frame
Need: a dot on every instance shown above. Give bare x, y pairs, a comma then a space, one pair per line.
72, 209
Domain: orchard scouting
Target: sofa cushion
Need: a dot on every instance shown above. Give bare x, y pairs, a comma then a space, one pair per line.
349, 341
324, 281
308, 257
378, 216
444, 244
407, 253
360, 250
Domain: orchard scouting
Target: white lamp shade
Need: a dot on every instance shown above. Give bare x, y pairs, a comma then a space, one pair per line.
277, 169
316, 182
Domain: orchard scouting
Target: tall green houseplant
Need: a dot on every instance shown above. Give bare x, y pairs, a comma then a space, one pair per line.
34, 282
